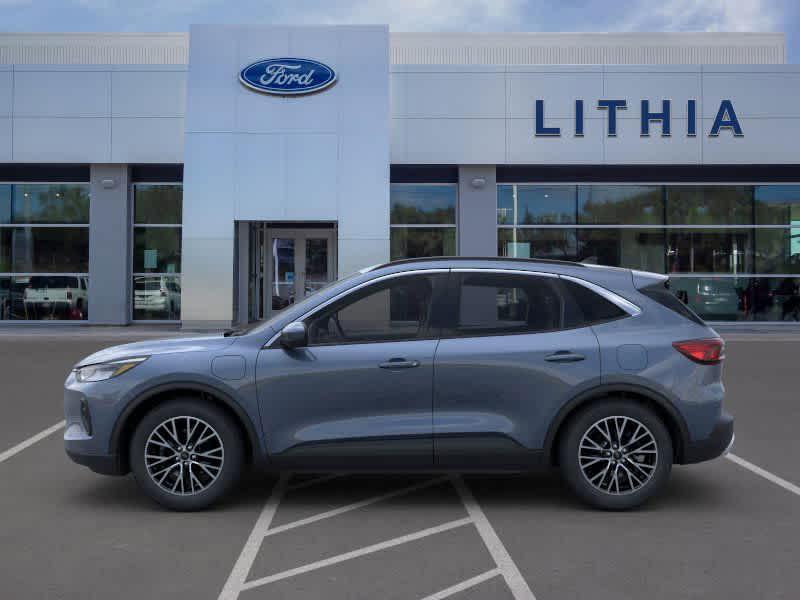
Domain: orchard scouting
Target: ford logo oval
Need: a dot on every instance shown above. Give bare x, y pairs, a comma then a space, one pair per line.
287, 76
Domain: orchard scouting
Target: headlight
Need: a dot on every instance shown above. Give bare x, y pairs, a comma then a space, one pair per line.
103, 371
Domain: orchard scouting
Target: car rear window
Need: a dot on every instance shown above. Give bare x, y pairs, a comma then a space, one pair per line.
661, 293
56, 281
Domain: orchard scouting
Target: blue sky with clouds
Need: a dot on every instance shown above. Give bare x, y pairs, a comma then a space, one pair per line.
414, 15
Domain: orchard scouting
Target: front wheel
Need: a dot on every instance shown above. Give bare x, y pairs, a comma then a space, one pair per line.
616, 455
186, 454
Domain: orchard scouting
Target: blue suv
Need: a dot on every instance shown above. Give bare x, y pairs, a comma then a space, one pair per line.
420, 365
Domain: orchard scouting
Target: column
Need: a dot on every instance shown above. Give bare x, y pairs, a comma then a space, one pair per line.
477, 211
109, 245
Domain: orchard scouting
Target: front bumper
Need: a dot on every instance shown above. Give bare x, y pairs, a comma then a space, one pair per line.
719, 442
105, 464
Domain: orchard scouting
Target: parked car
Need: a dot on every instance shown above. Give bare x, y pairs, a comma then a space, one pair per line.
450, 364
716, 299
156, 295
56, 297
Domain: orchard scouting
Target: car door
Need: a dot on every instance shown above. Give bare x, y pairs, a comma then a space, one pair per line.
359, 395
504, 367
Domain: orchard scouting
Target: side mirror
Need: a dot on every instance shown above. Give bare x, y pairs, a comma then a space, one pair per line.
294, 335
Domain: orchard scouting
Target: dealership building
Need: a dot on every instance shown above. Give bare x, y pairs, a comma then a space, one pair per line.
214, 177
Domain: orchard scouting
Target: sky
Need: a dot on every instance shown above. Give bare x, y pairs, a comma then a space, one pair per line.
414, 15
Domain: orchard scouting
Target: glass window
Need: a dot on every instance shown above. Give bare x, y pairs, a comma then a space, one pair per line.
631, 248
44, 204
778, 250
419, 242
647, 227
535, 204
44, 249
552, 244
44, 297
43, 264
717, 298
415, 204
709, 205
157, 213
497, 304
394, 310
777, 205
660, 292
710, 251
157, 250
158, 204
783, 299
620, 204
156, 297
586, 307
432, 206
5, 203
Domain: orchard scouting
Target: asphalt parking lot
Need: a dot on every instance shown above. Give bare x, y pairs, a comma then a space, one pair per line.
721, 530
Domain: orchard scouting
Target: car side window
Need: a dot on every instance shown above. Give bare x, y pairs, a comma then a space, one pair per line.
583, 307
501, 304
396, 309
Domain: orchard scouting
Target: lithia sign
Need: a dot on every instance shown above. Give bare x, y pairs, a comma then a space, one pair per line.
725, 120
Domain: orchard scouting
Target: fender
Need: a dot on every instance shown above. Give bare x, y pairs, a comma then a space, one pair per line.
608, 389
224, 397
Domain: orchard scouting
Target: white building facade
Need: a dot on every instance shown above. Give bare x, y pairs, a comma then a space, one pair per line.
145, 178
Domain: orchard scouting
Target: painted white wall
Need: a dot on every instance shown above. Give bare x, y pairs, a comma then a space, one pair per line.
92, 113
485, 115
439, 113
252, 156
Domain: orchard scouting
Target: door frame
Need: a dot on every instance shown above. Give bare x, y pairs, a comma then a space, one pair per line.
300, 235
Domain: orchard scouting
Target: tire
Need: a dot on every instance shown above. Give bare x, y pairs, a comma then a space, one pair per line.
198, 487
591, 479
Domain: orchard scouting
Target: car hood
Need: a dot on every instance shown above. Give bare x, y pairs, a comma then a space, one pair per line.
152, 347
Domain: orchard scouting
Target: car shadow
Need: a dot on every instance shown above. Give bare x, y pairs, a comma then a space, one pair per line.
104, 493
544, 490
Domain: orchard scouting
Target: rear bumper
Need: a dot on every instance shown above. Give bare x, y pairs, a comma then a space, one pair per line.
718, 443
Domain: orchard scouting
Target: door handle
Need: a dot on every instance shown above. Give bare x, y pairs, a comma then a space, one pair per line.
399, 363
564, 356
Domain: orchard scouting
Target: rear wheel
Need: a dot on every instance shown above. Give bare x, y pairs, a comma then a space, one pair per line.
186, 454
616, 455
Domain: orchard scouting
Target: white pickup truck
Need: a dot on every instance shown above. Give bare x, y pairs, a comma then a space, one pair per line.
56, 297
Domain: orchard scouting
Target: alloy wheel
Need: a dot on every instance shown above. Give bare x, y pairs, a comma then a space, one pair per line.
618, 455
184, 455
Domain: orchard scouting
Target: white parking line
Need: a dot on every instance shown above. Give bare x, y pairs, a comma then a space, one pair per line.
418, 535
241, 569
31, 441
464, 585
764, 473
514, 579
354, 506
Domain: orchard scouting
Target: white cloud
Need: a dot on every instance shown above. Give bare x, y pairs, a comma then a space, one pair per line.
416, 15
704, 15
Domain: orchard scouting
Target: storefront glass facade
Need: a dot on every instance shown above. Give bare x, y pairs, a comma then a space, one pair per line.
44, 251
156, 285
423, 219
732, 251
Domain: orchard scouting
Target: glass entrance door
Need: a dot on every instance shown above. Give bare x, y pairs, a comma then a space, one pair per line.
299, 262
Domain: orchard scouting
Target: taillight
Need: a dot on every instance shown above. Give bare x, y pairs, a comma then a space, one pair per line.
69, 295
705, 352
163, 293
